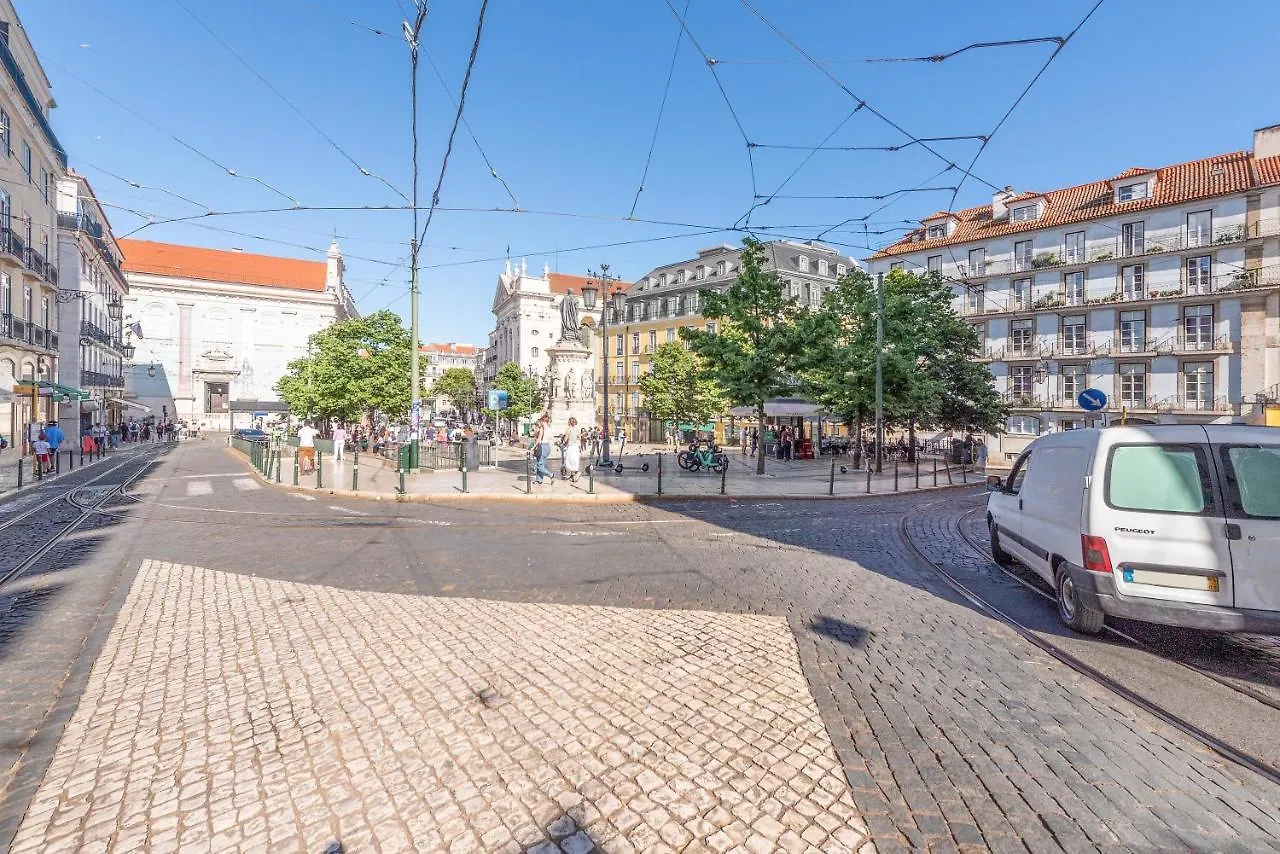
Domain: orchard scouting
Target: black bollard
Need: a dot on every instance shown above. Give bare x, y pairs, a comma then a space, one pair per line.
917, 472
528, 474
355, 470
295, 468
319, 469
19, 471
659, 474
935, 471
724, 475
895, 475
868, 480
831, 484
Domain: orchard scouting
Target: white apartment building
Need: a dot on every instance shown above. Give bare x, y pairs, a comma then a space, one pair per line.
30, 158
91, 291
526, 309
219, 327
1159, 287
441, 358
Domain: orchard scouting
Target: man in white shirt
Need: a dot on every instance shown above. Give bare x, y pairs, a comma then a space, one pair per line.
339, 442
307, 448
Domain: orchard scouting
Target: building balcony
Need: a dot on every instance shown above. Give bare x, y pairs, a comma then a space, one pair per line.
11, 244
93, 332
1076, 347
1193, 403
1124, 347
1133, 403
1182, 343
95, 379
1023, 400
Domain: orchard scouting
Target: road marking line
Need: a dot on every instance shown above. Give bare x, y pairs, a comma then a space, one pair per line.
199, 487
581, 533
303, 497
246, 483
347, 510
220, 474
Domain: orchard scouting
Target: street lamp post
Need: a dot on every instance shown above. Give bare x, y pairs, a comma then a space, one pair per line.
597, 283
411, 35
879, 373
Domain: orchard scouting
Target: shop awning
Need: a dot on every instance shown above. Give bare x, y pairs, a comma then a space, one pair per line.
129, 404
60, 393
782, 406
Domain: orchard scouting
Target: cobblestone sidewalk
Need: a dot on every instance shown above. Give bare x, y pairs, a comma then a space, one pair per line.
228, 712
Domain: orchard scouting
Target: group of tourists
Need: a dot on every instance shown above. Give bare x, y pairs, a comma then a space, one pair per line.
575, 441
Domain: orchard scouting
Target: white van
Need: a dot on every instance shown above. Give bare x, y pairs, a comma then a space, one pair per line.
1174, 524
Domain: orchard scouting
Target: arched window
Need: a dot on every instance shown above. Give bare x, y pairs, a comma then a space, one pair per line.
269, 330
535, 352
157, 321
217, 326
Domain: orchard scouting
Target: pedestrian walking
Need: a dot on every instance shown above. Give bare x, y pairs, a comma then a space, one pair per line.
100, 436
755, 440
571, 451
540, 447
306, 448
53, 433
339, 443
980, 455
40, 447
470, 448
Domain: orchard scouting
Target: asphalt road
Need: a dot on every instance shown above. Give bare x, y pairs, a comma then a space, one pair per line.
952, 732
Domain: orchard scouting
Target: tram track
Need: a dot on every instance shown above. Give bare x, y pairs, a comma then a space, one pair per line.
85, 510
1223, 748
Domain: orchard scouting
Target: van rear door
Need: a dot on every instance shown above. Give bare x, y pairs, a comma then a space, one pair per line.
1251, 474
1162, 517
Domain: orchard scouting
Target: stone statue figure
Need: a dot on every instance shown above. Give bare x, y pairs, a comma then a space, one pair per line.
588, 385
570, 328
570, 387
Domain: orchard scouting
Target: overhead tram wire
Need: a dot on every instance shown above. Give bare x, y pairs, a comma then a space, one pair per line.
265, 82
751, 163
862, 102
745, 219
863, 219
1016, 101
662, 106
182, 142
138, 186
825, 147
457, 119
934, 58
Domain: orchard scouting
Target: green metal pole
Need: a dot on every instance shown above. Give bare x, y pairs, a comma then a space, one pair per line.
895, 475
724, 474
464, 478
401, 471
355, 470
295, 468
935, 471
319, 469
591, 480
831, 485
917, 471
528, 474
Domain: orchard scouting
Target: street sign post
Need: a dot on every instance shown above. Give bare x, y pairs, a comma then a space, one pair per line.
1092, 400
496, 399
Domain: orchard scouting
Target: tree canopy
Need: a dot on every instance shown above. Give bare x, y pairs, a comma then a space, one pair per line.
524, 397
932, 378
458, 385
353, 367
679, 389
752, 352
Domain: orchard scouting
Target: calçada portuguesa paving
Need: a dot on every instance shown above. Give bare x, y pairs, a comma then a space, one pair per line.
271, 672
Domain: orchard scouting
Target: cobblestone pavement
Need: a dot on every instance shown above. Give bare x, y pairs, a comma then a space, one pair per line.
234, 713
951, 731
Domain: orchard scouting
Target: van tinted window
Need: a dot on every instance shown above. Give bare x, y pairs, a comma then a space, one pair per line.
1254, 477
1159, 478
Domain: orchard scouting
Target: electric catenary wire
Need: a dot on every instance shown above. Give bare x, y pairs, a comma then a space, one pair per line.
457, 119
662, 106
265, 82
934, 58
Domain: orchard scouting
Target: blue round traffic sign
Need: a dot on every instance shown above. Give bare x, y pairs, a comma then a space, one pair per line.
1091, 400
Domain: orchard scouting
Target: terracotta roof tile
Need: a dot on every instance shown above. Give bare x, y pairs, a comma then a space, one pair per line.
562, 283
221, 265
449, 349
1132, 172
1182, 182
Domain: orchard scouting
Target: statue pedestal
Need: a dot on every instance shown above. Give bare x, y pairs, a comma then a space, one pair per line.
573, 387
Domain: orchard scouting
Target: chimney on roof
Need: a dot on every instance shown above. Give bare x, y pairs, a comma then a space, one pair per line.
1000, 203
1266, 141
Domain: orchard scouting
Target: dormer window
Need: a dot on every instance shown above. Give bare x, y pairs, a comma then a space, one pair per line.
700, 272
720, 268
680, 277
1132, 192
822, 266
804, 263
935, 231
1024, 213
841, 269
662, 279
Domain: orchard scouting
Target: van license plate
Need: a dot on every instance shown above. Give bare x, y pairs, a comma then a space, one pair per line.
1171, 579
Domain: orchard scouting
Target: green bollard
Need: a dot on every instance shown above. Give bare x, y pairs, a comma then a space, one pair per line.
528, 474
917, 472
464, 478
935, 471
895, 475
319, 469
831, 485
355, 470
724, 474
295, 468
591, 480
279, 464
401, 472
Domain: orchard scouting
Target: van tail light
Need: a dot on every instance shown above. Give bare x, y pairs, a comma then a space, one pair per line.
1096, 556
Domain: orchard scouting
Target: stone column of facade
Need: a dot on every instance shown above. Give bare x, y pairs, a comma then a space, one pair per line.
185, 391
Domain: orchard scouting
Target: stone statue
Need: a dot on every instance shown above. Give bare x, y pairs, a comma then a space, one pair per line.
570, 328
570, 387
588, 385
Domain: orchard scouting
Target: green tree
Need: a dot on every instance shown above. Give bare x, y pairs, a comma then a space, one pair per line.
930, 370
751, 355
523, 395
679, 388
352, 368
458, 385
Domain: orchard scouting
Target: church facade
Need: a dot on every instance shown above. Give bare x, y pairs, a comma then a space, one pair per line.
215, 329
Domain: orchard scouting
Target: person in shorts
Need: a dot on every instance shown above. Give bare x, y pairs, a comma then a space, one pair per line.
40, 447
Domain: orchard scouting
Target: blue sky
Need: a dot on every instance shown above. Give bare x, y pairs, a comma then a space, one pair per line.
564, 99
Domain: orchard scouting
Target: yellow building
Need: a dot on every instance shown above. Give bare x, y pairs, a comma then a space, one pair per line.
669, 297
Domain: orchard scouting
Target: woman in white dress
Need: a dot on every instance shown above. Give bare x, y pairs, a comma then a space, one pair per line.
572, 450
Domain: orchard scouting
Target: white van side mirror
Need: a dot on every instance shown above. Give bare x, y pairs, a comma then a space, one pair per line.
994, 483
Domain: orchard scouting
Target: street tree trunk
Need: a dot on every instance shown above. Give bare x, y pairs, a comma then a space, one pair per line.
760, 420
857, 439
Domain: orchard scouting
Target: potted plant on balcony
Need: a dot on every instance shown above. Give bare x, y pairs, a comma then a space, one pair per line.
1045, 259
